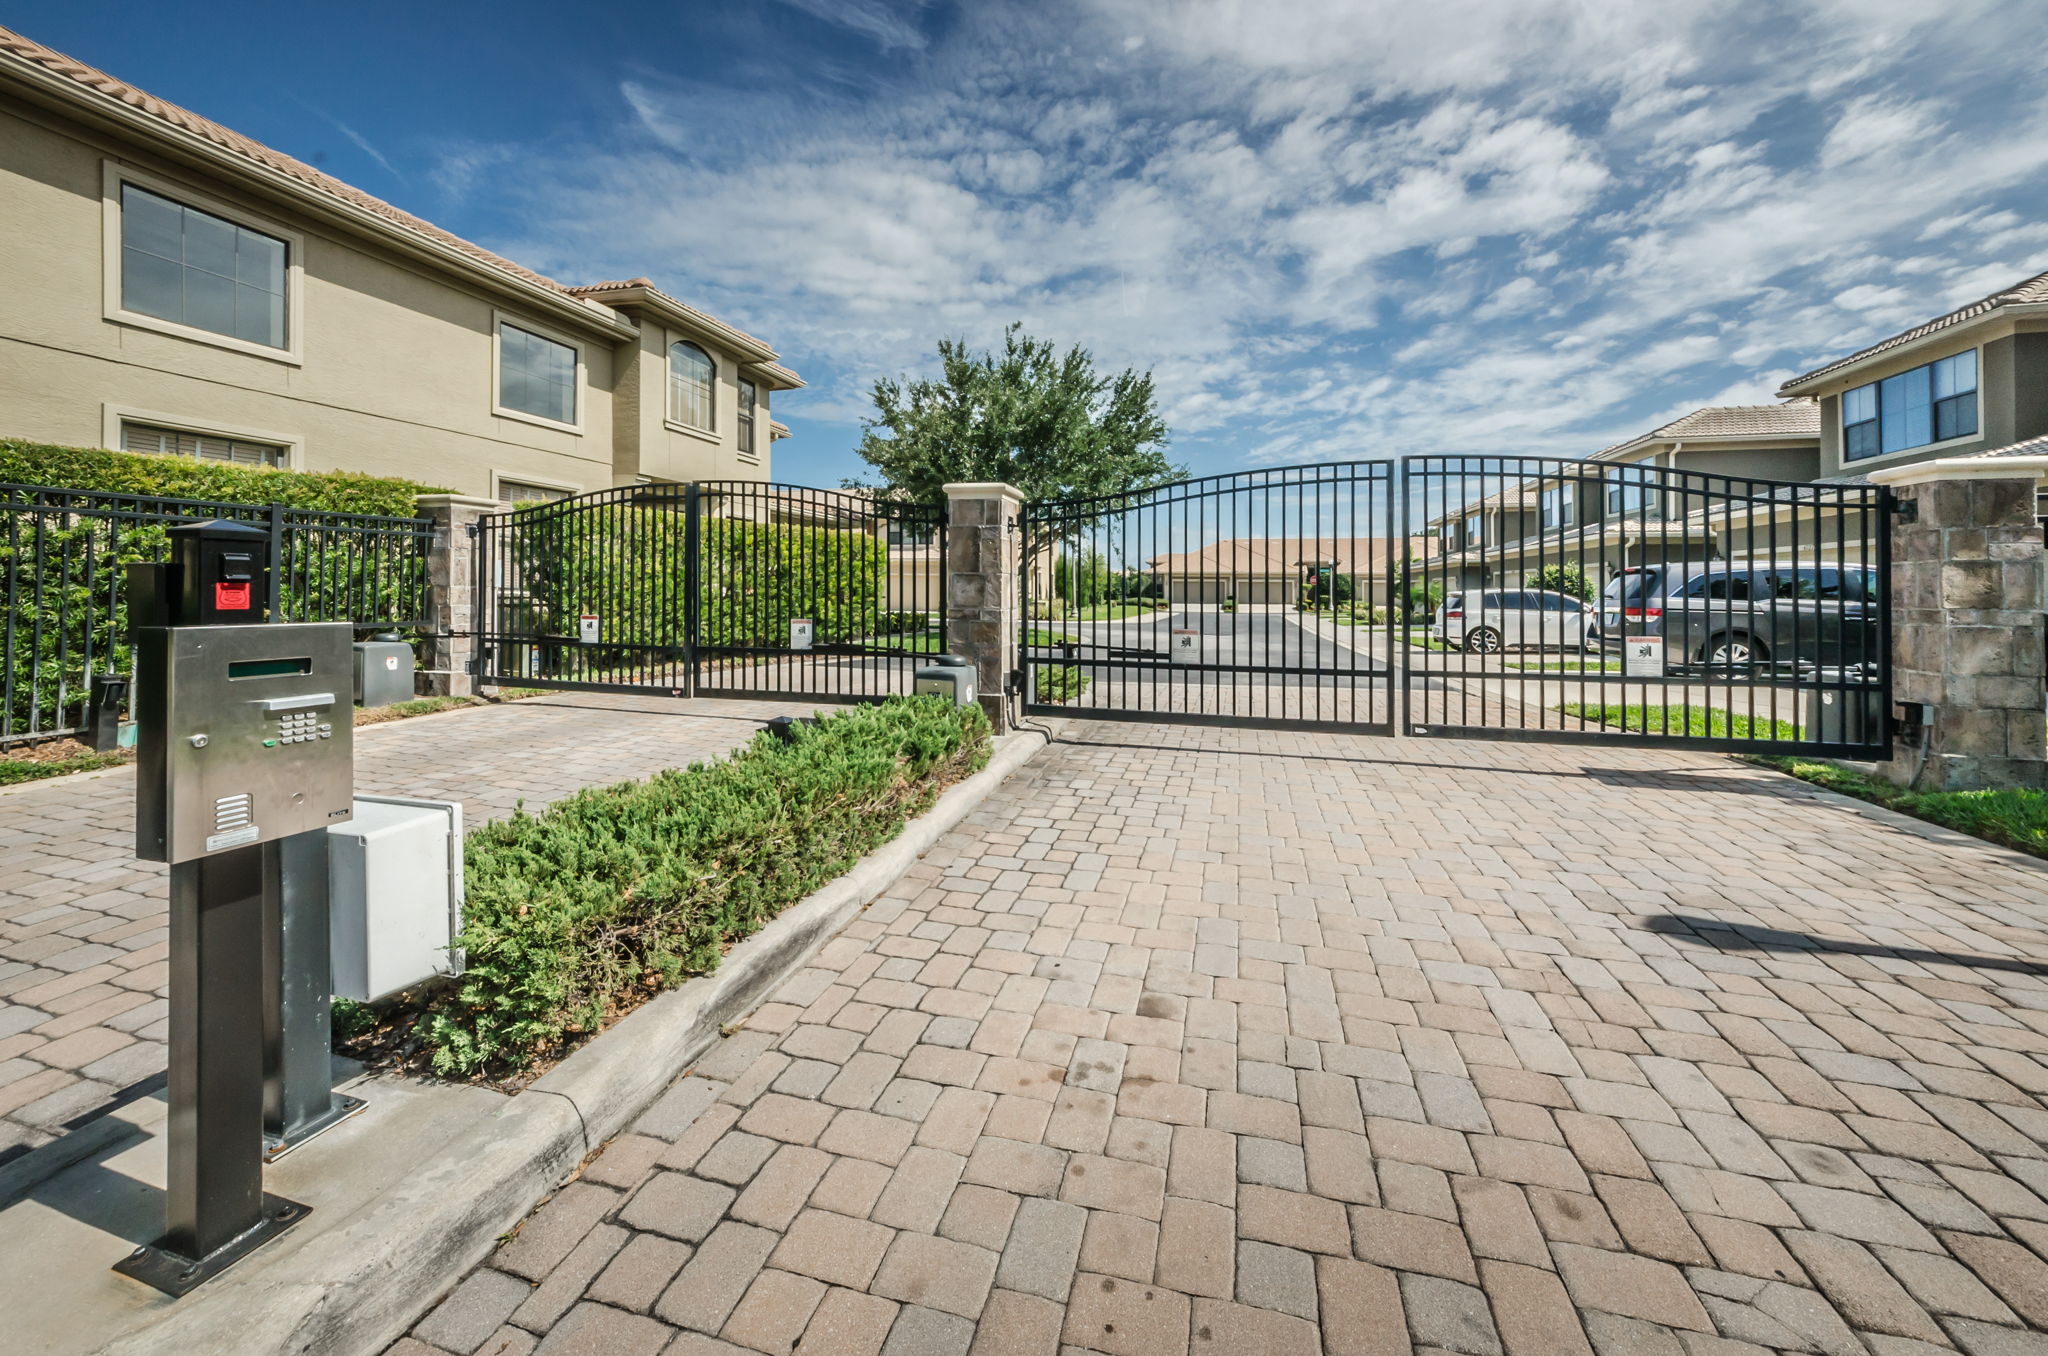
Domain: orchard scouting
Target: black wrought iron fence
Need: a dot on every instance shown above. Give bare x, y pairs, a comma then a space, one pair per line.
65, 554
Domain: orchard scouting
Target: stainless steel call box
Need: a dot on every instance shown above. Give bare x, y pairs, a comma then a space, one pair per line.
257, 735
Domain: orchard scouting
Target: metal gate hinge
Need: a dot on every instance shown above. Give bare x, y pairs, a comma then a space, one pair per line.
1906, 510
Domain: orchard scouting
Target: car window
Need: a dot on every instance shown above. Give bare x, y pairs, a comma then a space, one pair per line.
1557, 602
1633, 586
1454, 602
1489, 600
1732, 586
1823, 582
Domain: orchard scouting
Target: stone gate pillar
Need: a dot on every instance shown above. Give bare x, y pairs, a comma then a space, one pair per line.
984, 536
1967, 631
453, 610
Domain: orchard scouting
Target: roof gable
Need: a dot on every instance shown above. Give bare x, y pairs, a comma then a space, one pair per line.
2025, 292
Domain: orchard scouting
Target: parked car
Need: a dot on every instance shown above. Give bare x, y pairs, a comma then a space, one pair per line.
1487, 621
1732, 615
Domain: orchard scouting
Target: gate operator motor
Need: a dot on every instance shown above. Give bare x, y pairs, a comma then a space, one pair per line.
257, 735
949, 676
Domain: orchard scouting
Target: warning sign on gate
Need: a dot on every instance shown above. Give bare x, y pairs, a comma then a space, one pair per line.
1187, 647
1642, 656
800, 631
586, 628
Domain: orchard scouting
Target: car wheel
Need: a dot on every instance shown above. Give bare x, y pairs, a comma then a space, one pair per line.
1734, 651
1482, 640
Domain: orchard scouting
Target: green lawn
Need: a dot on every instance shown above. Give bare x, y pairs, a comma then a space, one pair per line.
1573, 665
2017, 818
1696, 721
13, 770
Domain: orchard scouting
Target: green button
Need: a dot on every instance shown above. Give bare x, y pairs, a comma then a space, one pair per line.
270, 743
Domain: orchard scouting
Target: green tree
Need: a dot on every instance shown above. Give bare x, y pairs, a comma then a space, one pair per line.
1566, 579
1046, 423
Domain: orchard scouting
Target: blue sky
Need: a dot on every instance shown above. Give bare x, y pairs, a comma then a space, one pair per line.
1333, 228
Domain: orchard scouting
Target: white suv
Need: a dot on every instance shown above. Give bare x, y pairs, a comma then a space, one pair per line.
1487, 621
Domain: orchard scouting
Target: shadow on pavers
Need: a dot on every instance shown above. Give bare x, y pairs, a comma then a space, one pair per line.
1748, 937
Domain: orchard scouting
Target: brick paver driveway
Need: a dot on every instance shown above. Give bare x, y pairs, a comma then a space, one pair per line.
1242, 1042
82, 968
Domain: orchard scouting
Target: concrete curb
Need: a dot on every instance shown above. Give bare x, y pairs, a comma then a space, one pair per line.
358, 1286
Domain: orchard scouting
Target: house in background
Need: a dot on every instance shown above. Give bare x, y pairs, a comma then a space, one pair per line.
1623, 506
170, 286
1971, 382
1273, 571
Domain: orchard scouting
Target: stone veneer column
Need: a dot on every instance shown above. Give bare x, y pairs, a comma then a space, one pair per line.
452, 612
1967, 631
983, 537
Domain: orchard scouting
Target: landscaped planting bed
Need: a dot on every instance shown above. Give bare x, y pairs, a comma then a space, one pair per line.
580, 913
2017, 817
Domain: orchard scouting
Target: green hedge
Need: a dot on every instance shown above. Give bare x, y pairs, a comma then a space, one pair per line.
627, 564
575, 914
64, 571
95, 468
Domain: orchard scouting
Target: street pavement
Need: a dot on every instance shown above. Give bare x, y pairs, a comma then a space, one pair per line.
1236, 1041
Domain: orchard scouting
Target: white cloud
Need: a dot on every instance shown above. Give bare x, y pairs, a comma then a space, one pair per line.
877, 20
1333, 228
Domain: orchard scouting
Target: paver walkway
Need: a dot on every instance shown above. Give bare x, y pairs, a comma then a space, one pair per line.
1247, 1043
82, 951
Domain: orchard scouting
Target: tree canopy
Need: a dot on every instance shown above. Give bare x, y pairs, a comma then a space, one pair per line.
1046, 423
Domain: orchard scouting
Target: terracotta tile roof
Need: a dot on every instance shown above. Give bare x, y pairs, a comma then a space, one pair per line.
1790, 418
99, 83
28, 50
1285, 555
2032, 447
2030, 290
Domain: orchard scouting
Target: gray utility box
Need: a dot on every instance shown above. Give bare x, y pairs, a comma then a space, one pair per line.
383, 672
948, 676
1853, 715
395, 879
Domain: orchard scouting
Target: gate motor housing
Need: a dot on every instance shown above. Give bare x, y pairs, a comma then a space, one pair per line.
949, 676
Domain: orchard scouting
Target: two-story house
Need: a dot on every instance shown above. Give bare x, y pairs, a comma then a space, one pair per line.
1972, 382
168, 285
1619, 507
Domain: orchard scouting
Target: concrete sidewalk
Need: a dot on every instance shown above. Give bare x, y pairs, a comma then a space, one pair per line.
82, 951
1242, 1042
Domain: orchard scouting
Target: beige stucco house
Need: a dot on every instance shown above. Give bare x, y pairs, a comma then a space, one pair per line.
169, 285
1273, 571
1970, 382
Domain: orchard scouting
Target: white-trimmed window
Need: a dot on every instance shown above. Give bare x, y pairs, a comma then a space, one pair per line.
140, 437
512, 492
180, 262
1561, 506
750, 399
1475, 530
1928, 404
193, 268
692, 383
536, 375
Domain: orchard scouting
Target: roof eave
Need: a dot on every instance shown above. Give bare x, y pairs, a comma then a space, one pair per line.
56, 90
1878, 353
699, 325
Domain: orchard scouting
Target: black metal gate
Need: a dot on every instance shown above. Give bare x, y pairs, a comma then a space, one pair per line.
1472, 596
1259, 597
1580, 600
713, 588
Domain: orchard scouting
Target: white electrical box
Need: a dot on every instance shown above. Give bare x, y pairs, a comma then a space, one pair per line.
395, 885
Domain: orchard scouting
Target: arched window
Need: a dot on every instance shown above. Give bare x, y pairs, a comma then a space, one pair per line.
690, 378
